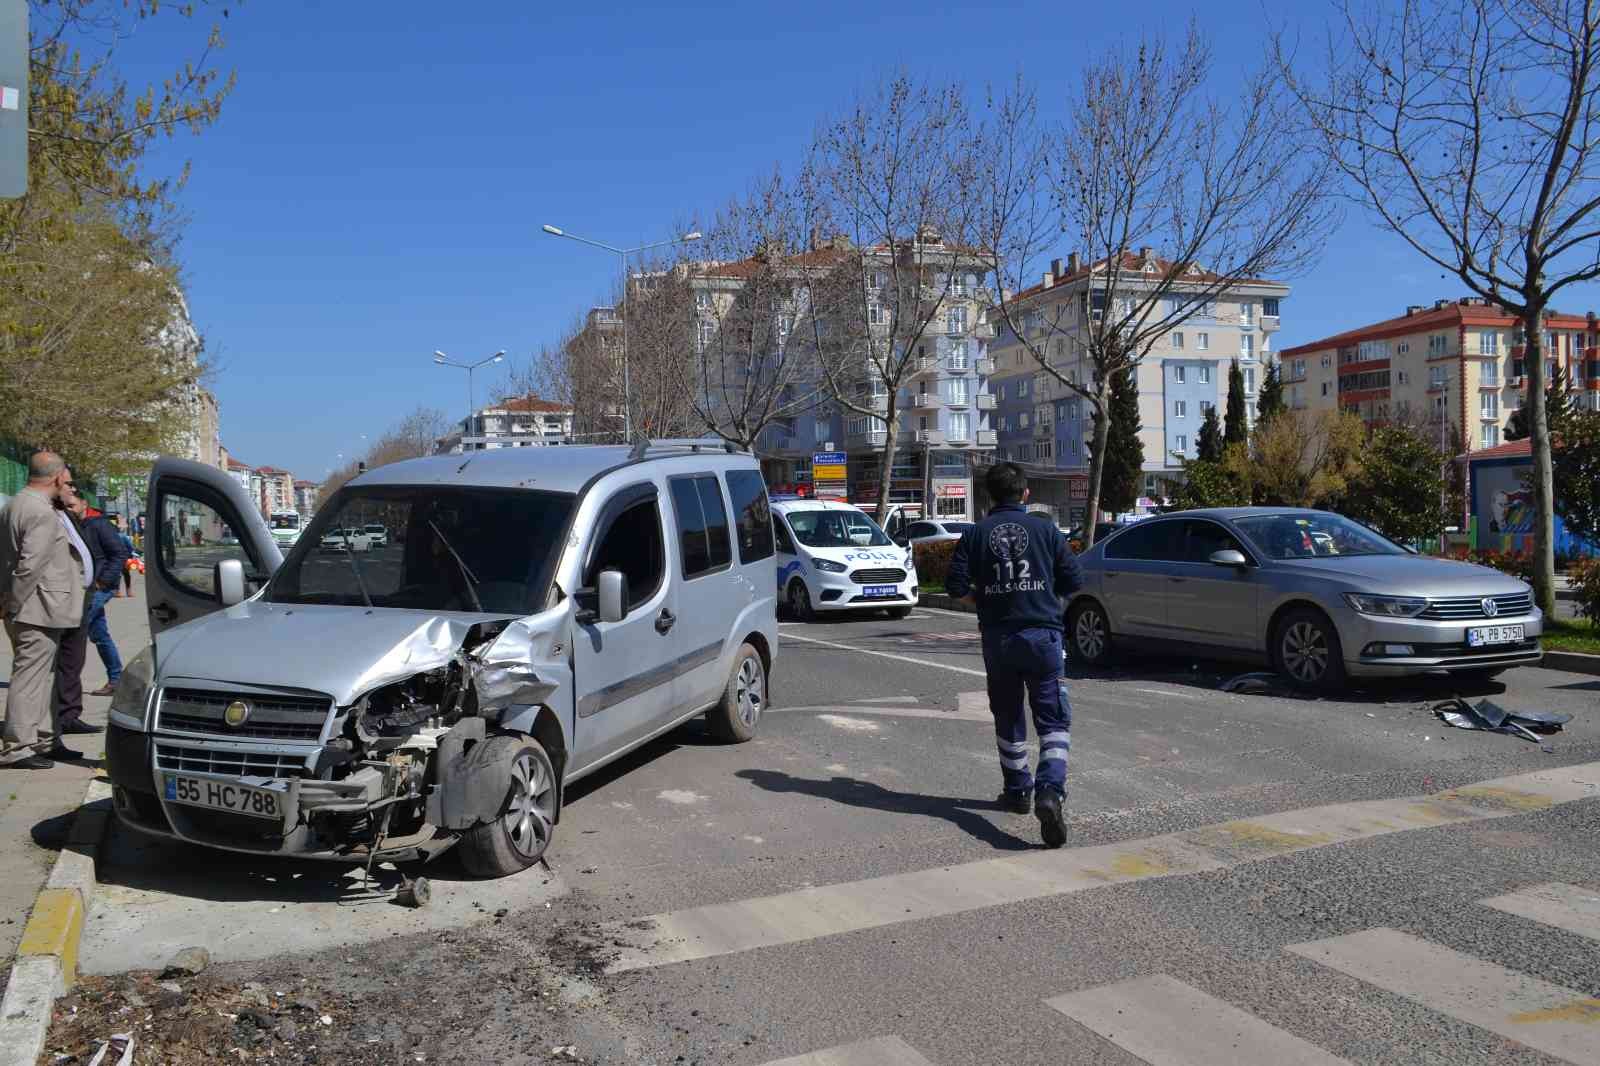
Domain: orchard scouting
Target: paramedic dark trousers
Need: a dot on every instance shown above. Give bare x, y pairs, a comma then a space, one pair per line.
1029, 661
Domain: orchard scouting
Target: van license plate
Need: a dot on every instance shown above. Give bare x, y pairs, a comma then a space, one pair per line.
1478, 636
880, 590
224, 796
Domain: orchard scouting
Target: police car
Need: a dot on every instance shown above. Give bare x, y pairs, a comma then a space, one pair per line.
832, 557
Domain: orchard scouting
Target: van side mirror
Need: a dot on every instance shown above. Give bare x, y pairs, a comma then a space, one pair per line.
1230, 557
227, 579
613, 594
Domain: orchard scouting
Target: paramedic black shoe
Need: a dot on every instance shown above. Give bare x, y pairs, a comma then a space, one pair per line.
1052, 823
1019, 801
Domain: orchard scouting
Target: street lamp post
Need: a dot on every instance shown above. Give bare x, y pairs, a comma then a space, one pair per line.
444, 360
622, 257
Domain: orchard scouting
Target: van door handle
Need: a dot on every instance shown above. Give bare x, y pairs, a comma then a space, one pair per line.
665, 621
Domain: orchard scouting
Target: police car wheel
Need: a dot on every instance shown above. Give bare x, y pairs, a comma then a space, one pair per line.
1089, 634
800, 601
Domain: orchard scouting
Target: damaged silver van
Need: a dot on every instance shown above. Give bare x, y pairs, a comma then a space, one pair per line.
529, 616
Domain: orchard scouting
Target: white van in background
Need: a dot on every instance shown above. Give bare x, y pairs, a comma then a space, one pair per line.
832, 557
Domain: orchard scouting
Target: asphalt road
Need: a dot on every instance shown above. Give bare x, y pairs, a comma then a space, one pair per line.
1249, 879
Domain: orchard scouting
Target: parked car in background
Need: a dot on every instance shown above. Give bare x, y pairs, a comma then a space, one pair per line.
1317, 596
931, 531
377, 535
352, 537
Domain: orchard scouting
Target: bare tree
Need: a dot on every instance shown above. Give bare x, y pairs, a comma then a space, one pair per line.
1472, 130
414, 436
751, 370
1175, 194
894, 175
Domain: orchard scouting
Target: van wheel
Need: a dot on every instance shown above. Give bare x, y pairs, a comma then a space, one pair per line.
1306, 649
898, 612
1089, 633
734, 717
517, 839
800, 602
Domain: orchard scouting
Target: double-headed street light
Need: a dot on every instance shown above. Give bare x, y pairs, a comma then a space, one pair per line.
444, 360
622, 255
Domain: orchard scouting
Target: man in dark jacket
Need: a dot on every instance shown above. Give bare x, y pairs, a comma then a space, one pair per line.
108, 555
1016, 567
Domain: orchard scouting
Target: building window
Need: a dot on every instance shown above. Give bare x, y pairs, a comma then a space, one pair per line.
958, 425
1203, 374
878, 281
1327, 361
1247, 313
1022, 420
1180, 409
1269, 307
1250, 380
1403, 376
1491, 373
1022, 387
955, 391
702, 301
1182, 442
1247, 346
955, 320
1372, 350
785, 326
1005, 423
1491, 434
1489, 341
958, 285
999, 390
821, 430
1177, 340
1202, 341
1177, 374
1436, 377
958, 355
1206, 407
1404, 347
1149, 484
876, 314
1489, 405
706, 332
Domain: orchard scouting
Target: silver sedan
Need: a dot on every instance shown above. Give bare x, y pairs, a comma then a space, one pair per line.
1313, 594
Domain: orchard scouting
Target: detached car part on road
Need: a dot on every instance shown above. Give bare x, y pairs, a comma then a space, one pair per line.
1315, 595
531, 616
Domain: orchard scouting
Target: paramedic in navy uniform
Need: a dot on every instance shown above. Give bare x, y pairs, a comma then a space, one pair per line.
1016, 567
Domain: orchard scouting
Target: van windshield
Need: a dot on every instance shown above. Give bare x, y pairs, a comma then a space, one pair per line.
447, 549
836, 529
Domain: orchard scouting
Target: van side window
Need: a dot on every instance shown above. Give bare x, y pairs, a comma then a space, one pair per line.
633, 545
751, 515
781, 531
702, 524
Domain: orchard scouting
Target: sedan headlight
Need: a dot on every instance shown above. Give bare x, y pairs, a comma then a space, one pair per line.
829, 565
132, 695
1386, 606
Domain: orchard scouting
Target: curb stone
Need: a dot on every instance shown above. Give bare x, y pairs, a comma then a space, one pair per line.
1576, 661
939, 601
47, 958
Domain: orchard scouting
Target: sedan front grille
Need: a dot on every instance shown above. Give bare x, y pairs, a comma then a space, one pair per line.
878, 577
229, 763
271, 717
1456, 608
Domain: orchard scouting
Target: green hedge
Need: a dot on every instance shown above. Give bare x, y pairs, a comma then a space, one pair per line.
933, 561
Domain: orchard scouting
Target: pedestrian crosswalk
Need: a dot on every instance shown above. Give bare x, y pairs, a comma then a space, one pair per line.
1164, 1021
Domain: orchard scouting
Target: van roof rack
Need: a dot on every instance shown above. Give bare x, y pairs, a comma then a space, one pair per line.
645, 446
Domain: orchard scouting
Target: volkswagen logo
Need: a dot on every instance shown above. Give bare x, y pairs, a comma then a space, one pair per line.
236, 713
1490, 608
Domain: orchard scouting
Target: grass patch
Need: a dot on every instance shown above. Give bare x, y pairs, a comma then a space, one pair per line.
1562, 634
937, 590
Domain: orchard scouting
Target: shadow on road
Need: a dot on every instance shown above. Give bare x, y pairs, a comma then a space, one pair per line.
853, 792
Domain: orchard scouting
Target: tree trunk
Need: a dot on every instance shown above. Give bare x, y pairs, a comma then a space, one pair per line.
1542, 474
1097, 460
891, 433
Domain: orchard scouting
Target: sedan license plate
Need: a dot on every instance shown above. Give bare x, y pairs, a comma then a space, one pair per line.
1478, 636
224, 796
880, 590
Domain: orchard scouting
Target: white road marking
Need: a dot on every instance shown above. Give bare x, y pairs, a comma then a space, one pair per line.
964, 712
1540, 1015
1167, 1023
888, 699
680, 796
1577, 910
888, 655
807, 914
879, 1051
849, 725
1172, 692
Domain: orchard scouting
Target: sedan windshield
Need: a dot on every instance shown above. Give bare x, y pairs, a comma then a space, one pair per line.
449, 549
1313, 536
836, 529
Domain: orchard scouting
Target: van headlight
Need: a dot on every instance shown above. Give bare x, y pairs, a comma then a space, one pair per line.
1387, 606
829, 565
132, 696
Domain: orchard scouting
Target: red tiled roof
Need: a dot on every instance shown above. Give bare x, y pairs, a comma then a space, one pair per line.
234, 464
270, 470
1132, 265
1510, 450
1452, 315
531, 404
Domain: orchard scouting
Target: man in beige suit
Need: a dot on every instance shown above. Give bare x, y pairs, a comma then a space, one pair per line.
41, 598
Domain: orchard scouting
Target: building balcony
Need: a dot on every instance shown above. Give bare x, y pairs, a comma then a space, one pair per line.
931, 437
986, 401
984, 367
872, 438
1043, 430
925, 364
984, 331
878, 402
987, 438
957, 437
925, 401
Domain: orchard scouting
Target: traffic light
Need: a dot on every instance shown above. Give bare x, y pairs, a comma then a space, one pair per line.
13, 98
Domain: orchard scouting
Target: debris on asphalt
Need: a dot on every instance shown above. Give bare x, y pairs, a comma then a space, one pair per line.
1253, 683
414, 892
187, 963
121, 1042
1490, 717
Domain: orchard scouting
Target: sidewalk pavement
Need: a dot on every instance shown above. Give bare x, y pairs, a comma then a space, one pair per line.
37, 806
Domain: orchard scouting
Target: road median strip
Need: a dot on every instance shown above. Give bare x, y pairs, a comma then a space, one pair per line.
47, 956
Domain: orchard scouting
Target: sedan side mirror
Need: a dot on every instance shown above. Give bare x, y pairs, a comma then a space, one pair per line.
228, 579
613, 590
1230, 557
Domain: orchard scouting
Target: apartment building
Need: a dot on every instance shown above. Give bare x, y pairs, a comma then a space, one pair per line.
277, 489
305, 497
1454, 367
1048, 427
519, 422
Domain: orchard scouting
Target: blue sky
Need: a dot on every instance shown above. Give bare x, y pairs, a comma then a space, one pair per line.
375, 186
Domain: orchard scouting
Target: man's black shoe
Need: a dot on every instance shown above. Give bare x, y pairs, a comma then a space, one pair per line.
1052, 823
32, 762
78, 725
62, 753
1018, 802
